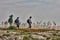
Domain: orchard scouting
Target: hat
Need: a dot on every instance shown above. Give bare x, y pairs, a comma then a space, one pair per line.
11, 15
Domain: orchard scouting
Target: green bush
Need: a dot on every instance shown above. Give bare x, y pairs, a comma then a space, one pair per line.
26, 38
6, 35
48, 38
12, 27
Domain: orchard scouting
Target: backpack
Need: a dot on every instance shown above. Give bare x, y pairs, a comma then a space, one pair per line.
8, 20
28, 21
15, 21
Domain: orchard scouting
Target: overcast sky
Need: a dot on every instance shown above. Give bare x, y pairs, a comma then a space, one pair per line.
46, 10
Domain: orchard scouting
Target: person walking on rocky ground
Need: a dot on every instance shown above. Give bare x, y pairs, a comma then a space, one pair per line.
29, 22
10, 20
17, 22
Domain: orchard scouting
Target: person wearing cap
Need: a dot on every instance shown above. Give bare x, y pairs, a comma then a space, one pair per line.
29, 21
10, 20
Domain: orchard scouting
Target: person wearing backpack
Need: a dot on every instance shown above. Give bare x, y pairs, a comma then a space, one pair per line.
17, 22
29, 21
10, 20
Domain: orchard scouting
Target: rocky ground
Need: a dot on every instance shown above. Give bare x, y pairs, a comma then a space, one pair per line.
16, 34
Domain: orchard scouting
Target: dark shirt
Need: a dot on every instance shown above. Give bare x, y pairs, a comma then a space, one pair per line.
10, 20
17, 21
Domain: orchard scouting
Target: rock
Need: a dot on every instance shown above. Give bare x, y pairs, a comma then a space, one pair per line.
3, 38
0, 38
39, 37
11, 38
18, 38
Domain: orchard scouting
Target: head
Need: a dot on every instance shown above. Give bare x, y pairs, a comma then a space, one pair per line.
17, 17
30, 17
11, 15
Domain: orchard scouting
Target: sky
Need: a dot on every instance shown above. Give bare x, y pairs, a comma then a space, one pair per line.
45, 10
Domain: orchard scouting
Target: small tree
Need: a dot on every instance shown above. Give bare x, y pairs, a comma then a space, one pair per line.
49, 23
44, 23
40, 22
54, 23
5, 23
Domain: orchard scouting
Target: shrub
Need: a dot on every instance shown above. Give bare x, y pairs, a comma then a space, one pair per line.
26, 38
6, 35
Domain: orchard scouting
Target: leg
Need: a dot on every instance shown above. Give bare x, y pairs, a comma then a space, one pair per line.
29, 25
18, 26
11, 24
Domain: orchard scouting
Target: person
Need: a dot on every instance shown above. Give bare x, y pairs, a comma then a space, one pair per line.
10, 20
17, 22
29, 21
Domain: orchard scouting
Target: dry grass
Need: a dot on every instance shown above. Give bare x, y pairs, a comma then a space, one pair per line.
30, 29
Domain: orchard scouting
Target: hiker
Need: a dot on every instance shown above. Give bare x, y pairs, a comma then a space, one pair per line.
10, 20
17, 22
29, 22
